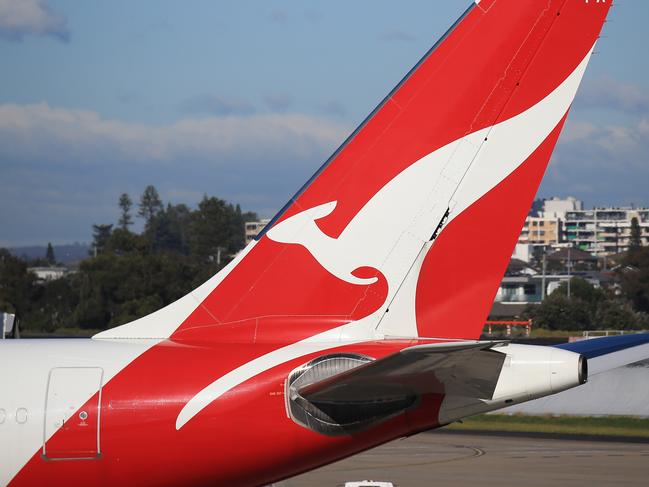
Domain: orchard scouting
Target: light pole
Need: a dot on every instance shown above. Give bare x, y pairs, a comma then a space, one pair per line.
569, 271
543, 268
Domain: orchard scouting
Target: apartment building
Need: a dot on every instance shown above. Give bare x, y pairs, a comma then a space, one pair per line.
540, 231
604, 231
600, 231
544, 226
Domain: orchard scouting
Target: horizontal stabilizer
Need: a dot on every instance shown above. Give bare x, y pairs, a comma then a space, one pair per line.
608, 353
466, 369
346, 402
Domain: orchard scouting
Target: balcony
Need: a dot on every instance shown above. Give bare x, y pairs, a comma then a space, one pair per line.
612, 216
580, 216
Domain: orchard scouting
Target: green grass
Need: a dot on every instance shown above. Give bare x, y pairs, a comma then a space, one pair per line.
604, 426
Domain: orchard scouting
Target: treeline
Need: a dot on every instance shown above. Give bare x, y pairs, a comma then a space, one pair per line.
132, 273
128, 274
622, 304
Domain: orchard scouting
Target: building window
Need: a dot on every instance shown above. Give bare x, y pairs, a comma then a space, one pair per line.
529, 289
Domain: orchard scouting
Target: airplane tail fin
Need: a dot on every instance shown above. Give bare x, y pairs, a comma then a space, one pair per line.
407, 229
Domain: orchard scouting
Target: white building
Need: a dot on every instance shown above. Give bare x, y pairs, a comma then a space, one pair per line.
528, 289
558, 207
48, 273
253, 229
523, 252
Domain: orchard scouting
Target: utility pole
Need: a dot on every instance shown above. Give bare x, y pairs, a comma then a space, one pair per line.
543, 268
569, 271
218, 255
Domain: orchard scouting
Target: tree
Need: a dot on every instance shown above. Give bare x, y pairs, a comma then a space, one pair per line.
587, 308
132, 274
635, 242
558, 312
150, 204
217, 229
122, 242
582, 290
634, 278
16, 284
100, 236
49, 254
614, 315
125, 205
168, 231
52, 304
115, 289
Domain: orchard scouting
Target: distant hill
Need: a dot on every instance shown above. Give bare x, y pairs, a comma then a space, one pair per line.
67, 254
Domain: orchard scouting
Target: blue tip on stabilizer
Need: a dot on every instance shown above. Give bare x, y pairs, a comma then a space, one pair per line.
596, 347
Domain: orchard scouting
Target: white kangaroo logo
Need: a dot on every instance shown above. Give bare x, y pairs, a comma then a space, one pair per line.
338, 256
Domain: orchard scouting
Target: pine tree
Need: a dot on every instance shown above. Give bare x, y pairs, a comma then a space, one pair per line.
100, 235
49, 254
125, 205
150, 204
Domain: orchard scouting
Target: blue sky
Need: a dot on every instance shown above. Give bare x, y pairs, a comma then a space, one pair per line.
244, 100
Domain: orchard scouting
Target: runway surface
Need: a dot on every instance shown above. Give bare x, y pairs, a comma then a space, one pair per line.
441, 458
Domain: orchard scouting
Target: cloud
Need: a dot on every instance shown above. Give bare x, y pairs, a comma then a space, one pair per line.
628, 144
608, 93
397, 35
278, 102
216, 105
576, 131
19, 18
334, 108
604, 159
601, 163
38, 131
63, 169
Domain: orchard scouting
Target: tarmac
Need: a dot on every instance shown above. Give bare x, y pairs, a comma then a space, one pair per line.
459, 459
